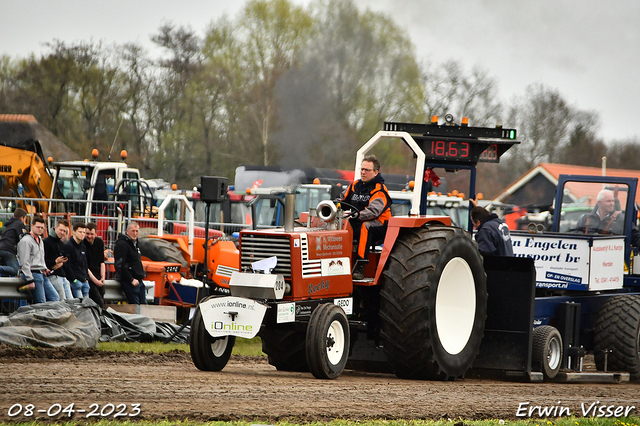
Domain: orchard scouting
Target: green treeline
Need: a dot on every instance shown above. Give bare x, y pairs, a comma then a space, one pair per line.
286, 86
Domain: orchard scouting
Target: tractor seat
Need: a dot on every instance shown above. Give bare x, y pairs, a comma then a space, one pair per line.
377, 235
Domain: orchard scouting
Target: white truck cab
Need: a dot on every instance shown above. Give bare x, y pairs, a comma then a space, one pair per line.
80, 186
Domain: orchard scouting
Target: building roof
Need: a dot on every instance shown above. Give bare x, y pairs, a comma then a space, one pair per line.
552, 172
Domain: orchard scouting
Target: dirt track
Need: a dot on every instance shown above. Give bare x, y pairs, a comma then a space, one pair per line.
169, 386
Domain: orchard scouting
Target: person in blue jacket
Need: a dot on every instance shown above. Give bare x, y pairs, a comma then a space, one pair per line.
492, 234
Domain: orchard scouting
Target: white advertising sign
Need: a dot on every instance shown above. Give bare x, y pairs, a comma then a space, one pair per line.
607, 264
346, 304
286, 312
573, 263
560, 263
336, 266
232, 316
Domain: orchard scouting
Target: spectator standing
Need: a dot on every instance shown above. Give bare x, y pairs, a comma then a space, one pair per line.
14, 228
77, 268
493, 236
95, 259
33, 268
128, 264
55, 258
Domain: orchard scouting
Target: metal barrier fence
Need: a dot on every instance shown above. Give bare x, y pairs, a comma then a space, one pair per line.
107, 228
115, 222
9, 293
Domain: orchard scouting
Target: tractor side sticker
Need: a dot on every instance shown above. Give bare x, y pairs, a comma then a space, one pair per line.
303, 310
346, 304
329, 245
322, 286
336, 266
286, 312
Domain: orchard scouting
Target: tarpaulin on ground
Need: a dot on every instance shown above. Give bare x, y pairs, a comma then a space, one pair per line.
80, 322
74, 322
123, 327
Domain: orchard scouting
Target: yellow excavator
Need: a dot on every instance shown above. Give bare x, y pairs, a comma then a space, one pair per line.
24, 173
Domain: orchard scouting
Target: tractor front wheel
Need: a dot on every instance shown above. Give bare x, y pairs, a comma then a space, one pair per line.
327, 341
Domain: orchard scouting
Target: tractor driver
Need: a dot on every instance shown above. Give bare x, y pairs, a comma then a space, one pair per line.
370, 197
607, 218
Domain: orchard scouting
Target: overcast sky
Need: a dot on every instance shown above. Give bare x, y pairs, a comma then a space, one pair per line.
589, 50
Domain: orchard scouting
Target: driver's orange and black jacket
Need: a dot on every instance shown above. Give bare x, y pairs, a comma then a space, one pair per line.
372, 201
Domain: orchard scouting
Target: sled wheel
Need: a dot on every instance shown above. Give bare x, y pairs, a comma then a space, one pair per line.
547, 350
207, 352
327, 342
618, 333
285, 349
433, 303
159, 250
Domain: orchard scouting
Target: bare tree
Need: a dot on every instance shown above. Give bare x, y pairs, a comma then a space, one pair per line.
544, 122
447, 90
584, 148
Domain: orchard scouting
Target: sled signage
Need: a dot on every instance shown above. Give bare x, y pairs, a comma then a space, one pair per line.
573, 263
561, 263
607, 264
232, 316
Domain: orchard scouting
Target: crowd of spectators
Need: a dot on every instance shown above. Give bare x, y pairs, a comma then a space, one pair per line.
68, 263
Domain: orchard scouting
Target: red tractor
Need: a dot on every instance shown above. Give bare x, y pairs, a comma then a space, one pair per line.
420, 311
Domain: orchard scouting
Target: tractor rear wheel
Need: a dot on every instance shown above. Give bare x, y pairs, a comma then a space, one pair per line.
618, 332
160, 250
433, 303
327, 342
547, 350
207, 352
285, 349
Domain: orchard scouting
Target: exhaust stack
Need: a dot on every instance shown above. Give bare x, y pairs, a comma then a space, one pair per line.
289, 211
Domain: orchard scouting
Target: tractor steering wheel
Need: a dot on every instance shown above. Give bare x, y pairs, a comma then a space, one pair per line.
589, 223
355, 213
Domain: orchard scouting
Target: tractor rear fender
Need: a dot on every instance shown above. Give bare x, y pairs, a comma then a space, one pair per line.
180, 241
395, 226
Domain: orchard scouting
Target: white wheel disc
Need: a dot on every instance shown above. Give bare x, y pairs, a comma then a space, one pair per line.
455, 305
218, 346
335, 342
553, 353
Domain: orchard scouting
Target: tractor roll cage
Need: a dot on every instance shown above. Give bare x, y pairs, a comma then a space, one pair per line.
417, 136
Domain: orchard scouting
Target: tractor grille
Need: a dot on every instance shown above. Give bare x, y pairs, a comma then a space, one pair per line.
310, 268
254, 247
